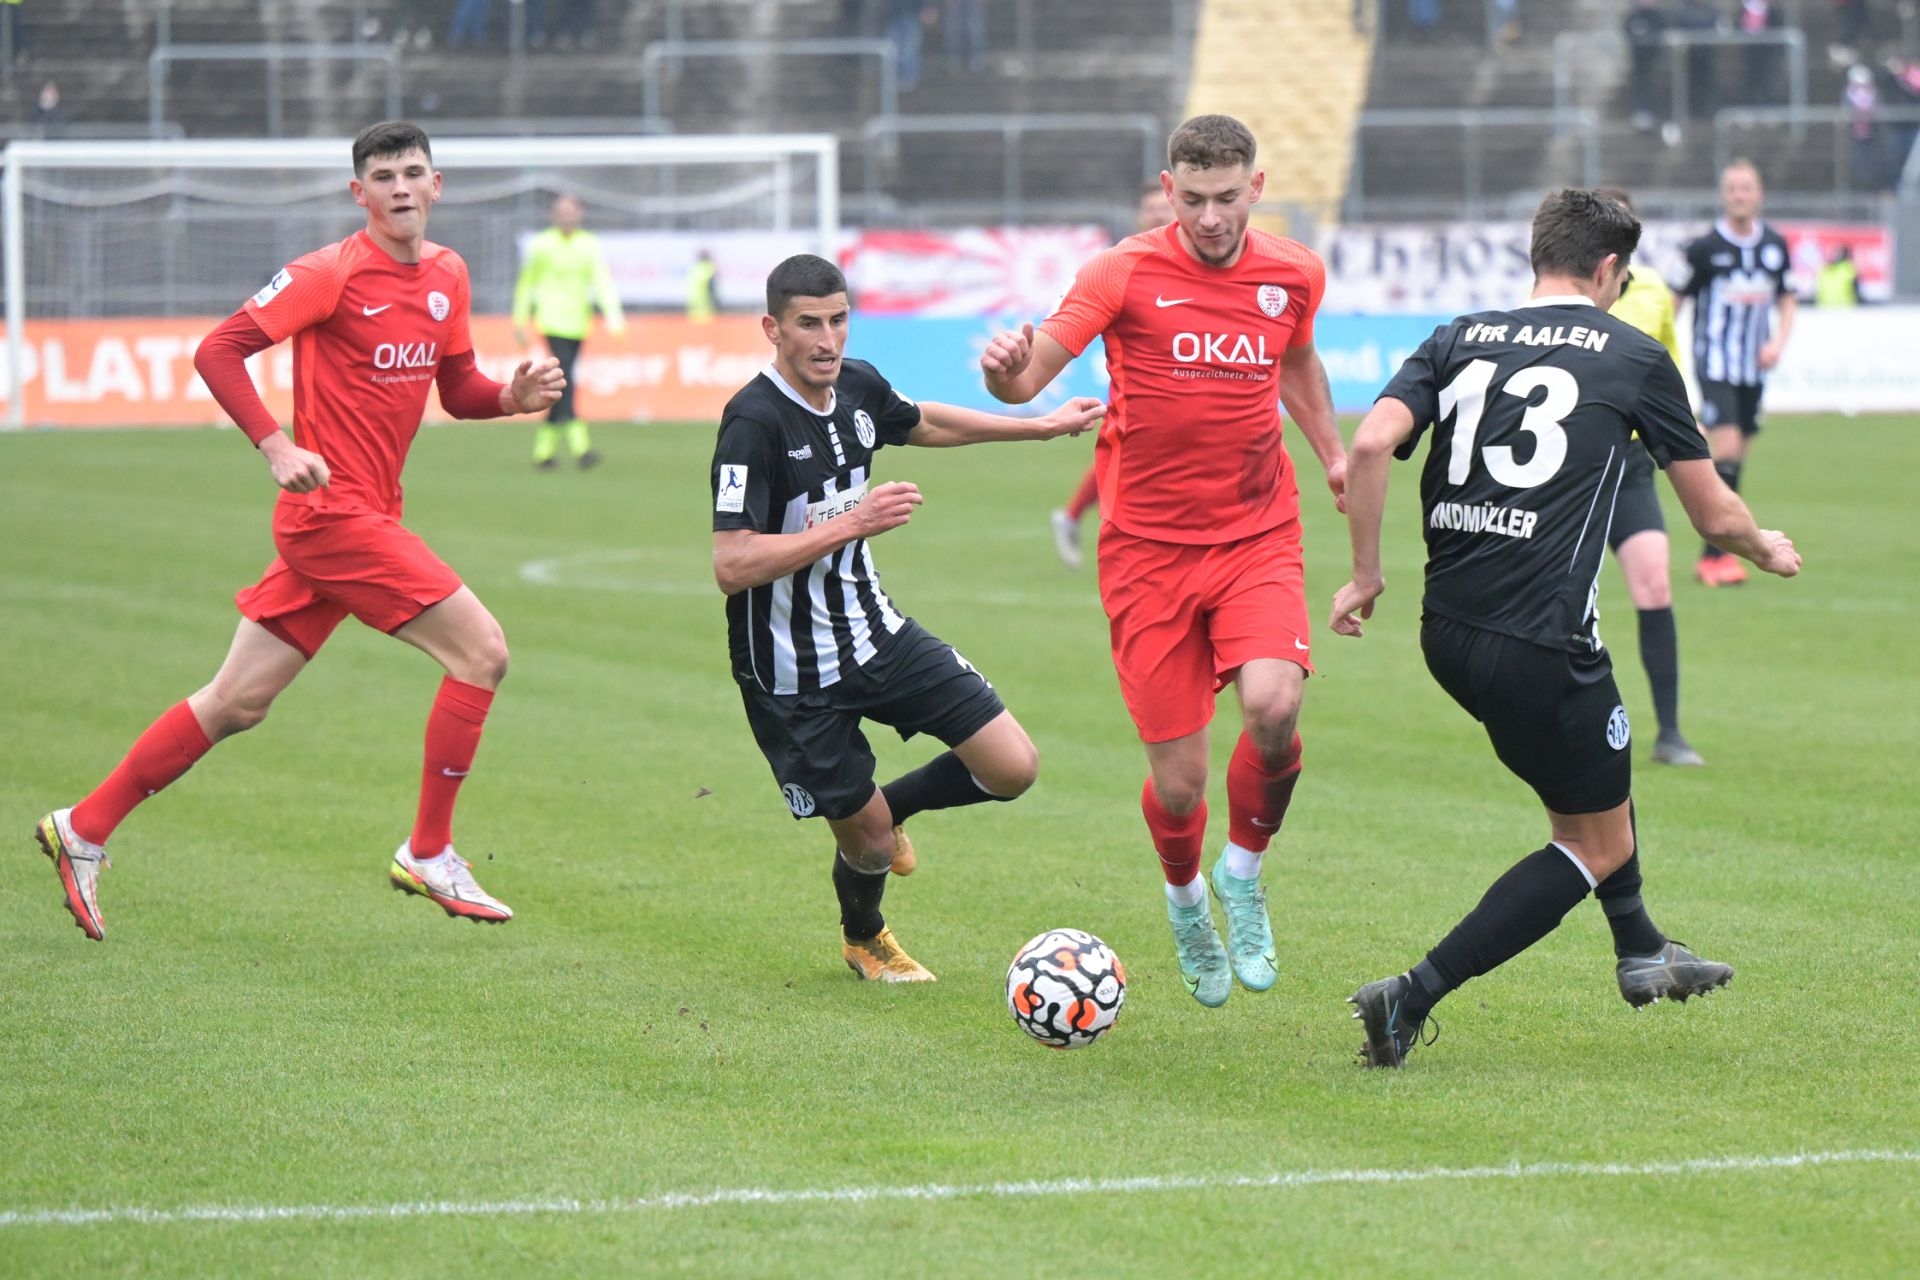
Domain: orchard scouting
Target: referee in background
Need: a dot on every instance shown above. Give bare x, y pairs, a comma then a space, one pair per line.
564, 275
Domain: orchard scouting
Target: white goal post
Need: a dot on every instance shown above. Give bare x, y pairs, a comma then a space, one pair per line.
103, 229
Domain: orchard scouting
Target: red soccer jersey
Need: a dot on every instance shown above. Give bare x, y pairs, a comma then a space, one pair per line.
369, 333
1190, 451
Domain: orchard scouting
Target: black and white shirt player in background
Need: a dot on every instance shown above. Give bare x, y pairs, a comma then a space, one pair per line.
817, 645
1736, 279
1533, 411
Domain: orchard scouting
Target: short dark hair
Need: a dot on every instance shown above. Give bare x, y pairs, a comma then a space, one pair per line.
1618, 195
804, 275
1211, 142
1575, 230
387, 139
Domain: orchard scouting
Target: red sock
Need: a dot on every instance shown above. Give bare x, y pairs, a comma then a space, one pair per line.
453, 735
1086, 495
1258, 794
1176, 839
166, 750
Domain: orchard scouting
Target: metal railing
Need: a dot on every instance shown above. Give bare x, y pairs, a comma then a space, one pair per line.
1797, 119
663, 53
880, 133
543, 126
162, 59
1570, 60
1472, 122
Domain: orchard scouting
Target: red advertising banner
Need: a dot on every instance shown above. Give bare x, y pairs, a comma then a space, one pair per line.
138, 373
973, 272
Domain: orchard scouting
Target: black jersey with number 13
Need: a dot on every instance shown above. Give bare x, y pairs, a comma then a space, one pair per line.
1534, 411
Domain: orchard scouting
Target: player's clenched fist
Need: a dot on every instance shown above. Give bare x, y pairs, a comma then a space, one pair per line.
1353, 605
1082, 413
886, 506
1007, 354
1781, 558
536, 385
294, 469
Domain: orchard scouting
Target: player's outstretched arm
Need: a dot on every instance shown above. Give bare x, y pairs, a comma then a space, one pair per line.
1020, 363
1719, 516
1385, 428
946, 426
743, 558
1308, 397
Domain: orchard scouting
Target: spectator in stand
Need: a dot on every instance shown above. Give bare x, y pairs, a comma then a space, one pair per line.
13, 32
469, 27
1503, 21
1849, 27
1423, 16
1861, 98
963, 26
1760, 61
49, 117
1646, 23
906, 21
1703, 94
571, 31
1903, 90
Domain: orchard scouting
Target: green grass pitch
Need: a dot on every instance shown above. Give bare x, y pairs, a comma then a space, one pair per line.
267, 1026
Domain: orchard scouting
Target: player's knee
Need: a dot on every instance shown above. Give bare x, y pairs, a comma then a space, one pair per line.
487, 665
870, 855
1272, 722
226, 711
1012, 772
1180, 796
1652, 592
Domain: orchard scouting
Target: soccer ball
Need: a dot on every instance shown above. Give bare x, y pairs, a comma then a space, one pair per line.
1065, 988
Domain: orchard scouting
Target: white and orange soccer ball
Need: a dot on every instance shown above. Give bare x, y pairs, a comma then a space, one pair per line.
1065, 988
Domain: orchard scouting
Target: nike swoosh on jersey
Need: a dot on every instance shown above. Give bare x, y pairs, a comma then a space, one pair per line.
1159, 301
372, 311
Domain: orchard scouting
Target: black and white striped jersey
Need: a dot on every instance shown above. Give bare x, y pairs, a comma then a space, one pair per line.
1534, 411
1735, 283
781, 466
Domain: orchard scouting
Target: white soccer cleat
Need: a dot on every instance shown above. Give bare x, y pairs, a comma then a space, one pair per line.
1066, 537
79, 863
447, 880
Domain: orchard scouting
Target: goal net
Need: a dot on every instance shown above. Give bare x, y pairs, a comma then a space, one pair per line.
156, 240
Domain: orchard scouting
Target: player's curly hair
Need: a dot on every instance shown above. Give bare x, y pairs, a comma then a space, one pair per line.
1211, 142
804, 275
387, 139
1574, 230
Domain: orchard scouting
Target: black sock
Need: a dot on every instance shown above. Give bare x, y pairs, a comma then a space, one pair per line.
1522, 907
1634, 932
941, 783
1729, 470
859, 895
1660, 654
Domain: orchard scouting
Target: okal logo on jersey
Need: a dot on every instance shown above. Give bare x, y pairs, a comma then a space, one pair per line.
1220, 348
863, 427
406, 355
798, 800
1618, 731
437, 305
1272, 299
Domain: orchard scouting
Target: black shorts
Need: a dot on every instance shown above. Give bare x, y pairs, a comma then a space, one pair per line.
1728, 404
1555, 718
1637, 508
917, 683
566, 351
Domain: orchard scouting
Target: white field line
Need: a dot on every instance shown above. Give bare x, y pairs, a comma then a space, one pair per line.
672, 1200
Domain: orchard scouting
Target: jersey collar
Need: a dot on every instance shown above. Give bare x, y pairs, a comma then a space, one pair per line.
1567, 300
786, 389
1741, 242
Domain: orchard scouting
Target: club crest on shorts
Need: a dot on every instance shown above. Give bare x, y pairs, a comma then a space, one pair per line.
863, 427
437, 305
798, 800
1619, 733
1272, 299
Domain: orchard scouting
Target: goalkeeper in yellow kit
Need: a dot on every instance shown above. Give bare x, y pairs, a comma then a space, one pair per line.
564, 275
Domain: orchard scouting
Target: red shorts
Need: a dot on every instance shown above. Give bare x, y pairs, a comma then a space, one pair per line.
335, 563
1185, 619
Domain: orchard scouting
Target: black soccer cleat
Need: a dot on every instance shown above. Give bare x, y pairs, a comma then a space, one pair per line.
1390, 1037
1674, 973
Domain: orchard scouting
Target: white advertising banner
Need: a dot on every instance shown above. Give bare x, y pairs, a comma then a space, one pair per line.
1849, 360
1456, 267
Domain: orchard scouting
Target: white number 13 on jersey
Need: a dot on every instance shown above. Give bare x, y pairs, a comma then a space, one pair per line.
1466, 397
